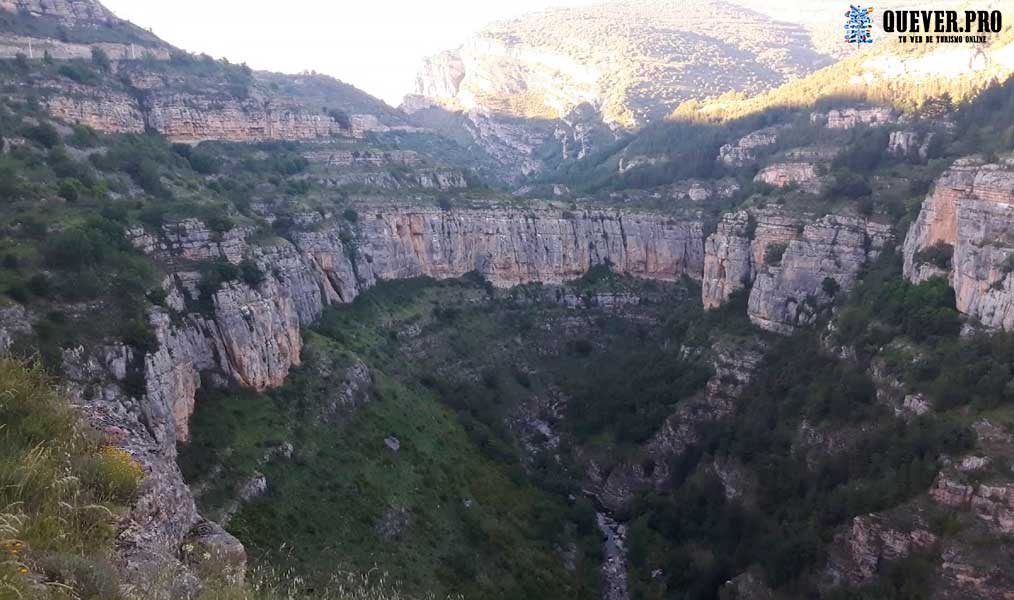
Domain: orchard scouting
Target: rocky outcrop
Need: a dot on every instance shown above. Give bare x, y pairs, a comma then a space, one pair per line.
847, 118
423, 179
14, 321
69, 12
802, 174
815, 259
736, 251
858, 552
512, 246
909, 143
747, 149
163, 515
826, 259
969, 215
194, 118
698, 190
992, 503
103, 110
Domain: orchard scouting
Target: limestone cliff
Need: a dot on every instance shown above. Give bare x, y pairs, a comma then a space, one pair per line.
826, 259
963, 233
795, 263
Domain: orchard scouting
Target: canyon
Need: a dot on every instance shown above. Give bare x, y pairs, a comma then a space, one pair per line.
251, 334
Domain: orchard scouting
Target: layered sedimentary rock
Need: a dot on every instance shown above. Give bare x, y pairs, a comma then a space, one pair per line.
103, 110
736, 250
426, 179
824, 260
860, 550
802, 174
747, 148
971, 210
193, 118
819, 257
848, 118
908, 143
250, 333
511, 246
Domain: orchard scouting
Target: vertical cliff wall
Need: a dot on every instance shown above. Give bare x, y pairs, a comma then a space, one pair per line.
794, 264
963, 233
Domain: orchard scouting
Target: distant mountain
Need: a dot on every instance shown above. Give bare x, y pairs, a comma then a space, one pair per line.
903, 79
580, 76
633, 61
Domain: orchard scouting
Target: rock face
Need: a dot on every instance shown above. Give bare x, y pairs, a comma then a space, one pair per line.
70, 12
735, 252
105, 110
784, 174
909, 143
872, 539
850, 117
747, 149
789, 291
187, 118
826, 259
992, 503
971, 210
515, 246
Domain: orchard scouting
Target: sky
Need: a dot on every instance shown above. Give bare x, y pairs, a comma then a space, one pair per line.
376, 45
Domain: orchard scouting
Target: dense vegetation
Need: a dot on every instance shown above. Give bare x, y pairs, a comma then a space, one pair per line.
62, 490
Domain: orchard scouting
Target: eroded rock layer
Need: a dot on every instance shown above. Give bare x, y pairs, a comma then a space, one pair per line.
963, 233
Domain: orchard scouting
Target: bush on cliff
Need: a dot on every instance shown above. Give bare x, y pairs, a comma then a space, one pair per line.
61, 490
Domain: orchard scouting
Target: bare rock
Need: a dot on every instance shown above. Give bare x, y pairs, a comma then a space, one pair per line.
971, 209
802, 174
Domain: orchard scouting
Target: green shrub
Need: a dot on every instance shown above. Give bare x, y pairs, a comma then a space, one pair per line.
84, 137
70, 190
137, 334
101, 60
40, 285
58, 523
250, 273
43, 134
938, 255
113, 473
773, 254
204, 163
84, 246
78, 72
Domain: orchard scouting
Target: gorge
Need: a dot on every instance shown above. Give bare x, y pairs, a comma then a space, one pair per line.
692, 324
